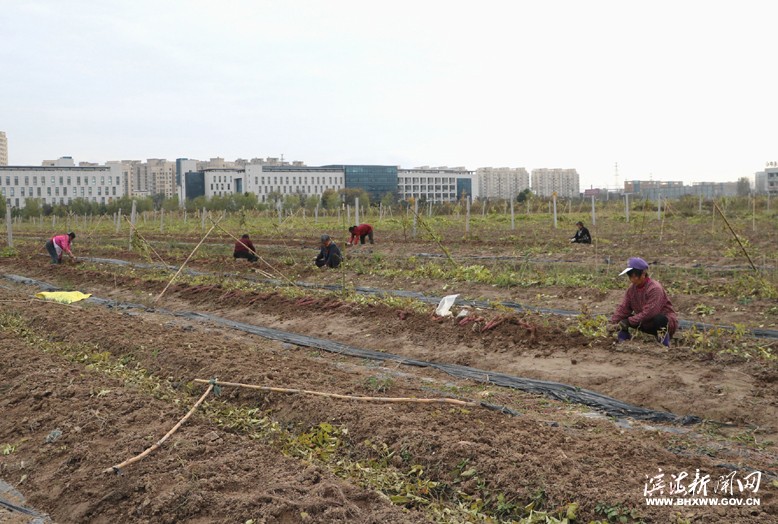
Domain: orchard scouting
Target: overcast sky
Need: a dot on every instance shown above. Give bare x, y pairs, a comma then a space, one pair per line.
673, 90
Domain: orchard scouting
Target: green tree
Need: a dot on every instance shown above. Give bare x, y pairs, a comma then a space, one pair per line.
330, 199
350, 194
524, 195
743, 186
388, 199
32, 207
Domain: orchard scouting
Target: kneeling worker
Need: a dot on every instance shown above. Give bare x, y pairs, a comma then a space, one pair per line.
245, 249
330, 255
582, 236
645, 306
361, 231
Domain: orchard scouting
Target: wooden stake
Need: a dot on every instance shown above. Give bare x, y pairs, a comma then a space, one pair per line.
117, 468
348, 397
735, 235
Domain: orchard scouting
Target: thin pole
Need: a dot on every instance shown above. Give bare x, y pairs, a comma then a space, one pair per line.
185, 261
347, 397
736, 237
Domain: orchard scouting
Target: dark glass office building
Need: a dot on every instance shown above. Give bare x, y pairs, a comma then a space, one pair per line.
375, 180
195, 184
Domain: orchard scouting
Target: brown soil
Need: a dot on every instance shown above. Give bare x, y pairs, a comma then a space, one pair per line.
553, 453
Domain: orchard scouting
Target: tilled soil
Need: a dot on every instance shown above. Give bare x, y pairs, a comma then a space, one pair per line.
66, 368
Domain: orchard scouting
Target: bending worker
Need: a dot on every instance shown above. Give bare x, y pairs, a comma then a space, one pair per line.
60, 244
645, 306
330, 255
582, 236
361, 231
245, 249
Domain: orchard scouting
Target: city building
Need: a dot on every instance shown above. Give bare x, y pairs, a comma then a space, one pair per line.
653, 189
767, 181
563, 182
60, 184
264, 181
501, 182
375, 180
3, 149
436, 184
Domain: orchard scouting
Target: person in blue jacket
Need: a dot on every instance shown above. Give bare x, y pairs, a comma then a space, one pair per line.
330, 255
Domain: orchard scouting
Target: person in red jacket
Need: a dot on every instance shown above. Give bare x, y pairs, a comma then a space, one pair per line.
361, 231
59, 244
645, 306
245, 249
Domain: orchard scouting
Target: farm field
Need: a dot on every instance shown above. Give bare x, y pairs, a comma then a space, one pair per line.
87, 385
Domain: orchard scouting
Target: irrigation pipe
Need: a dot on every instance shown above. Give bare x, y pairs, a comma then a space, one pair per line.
397, 400
118, 467
735, 235
187, 260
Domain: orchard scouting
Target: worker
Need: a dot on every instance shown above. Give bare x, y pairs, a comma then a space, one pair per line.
245, 249
330, 255
645, 306
582, 236
361, 231
59, 244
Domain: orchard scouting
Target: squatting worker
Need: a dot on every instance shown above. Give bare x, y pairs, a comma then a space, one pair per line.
245, 249
645, 306
330, 255
361, 231
582, 236
59, 244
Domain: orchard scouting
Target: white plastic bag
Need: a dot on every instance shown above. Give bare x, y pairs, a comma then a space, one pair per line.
445, 305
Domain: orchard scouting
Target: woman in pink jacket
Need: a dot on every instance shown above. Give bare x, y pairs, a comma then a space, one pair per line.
60, 244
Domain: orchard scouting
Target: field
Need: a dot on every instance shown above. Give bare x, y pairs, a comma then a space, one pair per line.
86, 386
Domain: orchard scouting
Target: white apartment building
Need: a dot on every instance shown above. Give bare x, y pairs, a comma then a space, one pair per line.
502, 182
562, 181
292, 180
436, 184
263, 180
767, 181
59, 184
3, 149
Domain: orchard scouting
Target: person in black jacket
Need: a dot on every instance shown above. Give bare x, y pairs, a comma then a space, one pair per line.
582, 236
330, 255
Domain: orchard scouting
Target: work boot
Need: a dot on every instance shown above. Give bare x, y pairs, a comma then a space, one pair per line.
624, 336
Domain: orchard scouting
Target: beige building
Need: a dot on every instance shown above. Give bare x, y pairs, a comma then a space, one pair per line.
155, 176
502, 182
562, 181
3, 149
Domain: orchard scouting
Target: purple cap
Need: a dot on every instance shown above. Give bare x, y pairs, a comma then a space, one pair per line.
635, 263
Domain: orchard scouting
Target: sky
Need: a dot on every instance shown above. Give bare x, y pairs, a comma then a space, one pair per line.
667, 90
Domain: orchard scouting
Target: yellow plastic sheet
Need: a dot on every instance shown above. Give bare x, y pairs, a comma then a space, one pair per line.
63, 297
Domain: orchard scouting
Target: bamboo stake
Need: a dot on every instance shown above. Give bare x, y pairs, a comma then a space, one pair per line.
187, 260
348, 397
132, 227
736, 237
117, 468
